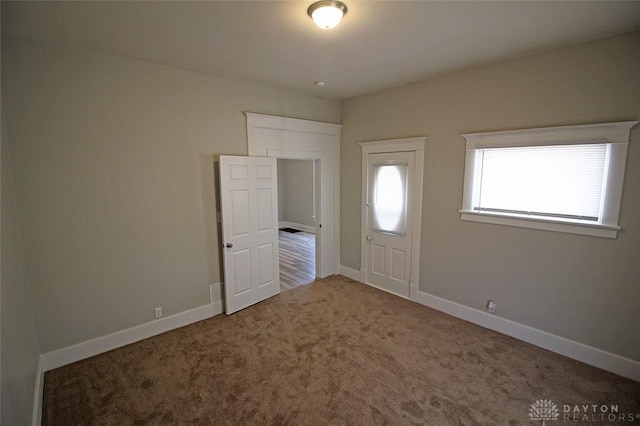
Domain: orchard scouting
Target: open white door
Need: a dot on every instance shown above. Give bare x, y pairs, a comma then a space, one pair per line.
249, 202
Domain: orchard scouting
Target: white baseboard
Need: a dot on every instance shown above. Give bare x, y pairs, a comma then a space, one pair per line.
121, 338
598, 358
354, 274
295, 225
589, 355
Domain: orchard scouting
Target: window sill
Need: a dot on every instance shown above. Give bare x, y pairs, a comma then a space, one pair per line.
581, 228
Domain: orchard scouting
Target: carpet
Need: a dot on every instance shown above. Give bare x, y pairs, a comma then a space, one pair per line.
331, 352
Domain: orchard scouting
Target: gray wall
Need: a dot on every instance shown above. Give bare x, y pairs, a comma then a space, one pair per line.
114, 181
579, 287
295, 191
112, 168
20, 351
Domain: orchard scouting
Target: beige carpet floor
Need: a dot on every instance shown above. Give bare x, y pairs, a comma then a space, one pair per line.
331, 352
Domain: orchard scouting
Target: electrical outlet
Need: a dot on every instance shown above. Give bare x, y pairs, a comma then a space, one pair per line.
491, 306
158, 312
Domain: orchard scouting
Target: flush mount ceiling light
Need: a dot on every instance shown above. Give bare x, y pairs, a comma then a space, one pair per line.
326, 13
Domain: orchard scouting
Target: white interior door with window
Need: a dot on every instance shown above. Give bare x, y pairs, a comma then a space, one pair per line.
392, 195
389, 221
248, 195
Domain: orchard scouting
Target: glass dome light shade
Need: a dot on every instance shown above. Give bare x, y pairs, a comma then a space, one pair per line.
327, 14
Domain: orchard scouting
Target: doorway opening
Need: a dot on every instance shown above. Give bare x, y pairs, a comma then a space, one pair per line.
293, 138
297, 222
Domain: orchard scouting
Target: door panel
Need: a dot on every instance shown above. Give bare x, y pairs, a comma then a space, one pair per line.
265, 257
398, 265
248, 195
240, 218
241, 275
377, 260
389, 221
263, 173
265, 209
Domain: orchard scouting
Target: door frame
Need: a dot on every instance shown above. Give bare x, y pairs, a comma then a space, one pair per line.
293, 138
416, 145
315, 157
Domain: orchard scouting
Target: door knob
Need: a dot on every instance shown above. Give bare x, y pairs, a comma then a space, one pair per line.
228, 245
369, 238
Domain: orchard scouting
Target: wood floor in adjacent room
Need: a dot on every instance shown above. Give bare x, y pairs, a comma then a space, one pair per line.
334, 352
297, 259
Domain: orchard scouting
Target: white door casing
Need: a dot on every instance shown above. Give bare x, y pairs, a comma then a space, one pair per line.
248, 195
390, 261
282, 137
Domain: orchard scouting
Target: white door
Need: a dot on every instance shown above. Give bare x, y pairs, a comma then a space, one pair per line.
249, 202
389, 220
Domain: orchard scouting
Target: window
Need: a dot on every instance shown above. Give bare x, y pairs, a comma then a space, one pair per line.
390, 198
561, 181
566, 179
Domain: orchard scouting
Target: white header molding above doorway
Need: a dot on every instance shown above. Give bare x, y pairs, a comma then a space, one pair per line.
292, 138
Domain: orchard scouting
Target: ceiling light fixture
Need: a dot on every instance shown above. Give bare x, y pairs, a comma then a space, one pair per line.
327, 13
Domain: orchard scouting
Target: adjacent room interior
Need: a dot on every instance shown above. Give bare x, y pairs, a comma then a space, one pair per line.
467, 300
296, 222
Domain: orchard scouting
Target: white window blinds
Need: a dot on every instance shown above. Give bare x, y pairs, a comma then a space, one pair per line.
559, 181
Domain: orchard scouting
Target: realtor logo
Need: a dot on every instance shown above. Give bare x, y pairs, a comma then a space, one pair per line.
543, 410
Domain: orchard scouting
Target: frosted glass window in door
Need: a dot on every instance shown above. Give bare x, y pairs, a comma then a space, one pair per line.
389, 201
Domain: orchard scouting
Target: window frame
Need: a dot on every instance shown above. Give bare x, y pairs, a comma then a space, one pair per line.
615, 135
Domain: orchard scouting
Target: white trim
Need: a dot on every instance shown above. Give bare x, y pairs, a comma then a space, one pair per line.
393, 145
277, 122
36, 417
99, 345
296, 225
284, 137
615, 135
593, 230
582, 134
417, 145
354, 274
589, 355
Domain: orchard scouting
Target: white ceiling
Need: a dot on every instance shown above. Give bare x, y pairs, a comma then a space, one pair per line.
379, 44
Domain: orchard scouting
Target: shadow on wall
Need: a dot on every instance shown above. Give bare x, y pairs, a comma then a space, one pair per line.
210, 183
